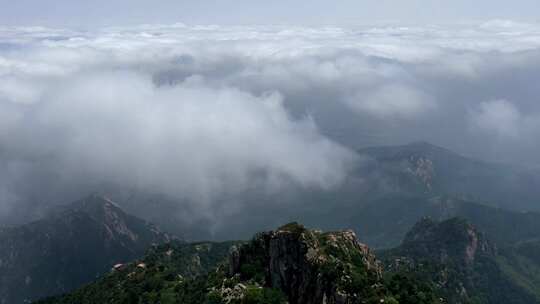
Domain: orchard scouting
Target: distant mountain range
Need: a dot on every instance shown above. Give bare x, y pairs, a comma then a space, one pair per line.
72, 246
451, 261
385, 222
425, 168
386, 199
412, 174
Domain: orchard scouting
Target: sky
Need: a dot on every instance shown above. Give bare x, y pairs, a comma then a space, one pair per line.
88, 14
204, 99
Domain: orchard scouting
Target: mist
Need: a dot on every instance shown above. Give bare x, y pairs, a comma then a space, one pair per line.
198, 113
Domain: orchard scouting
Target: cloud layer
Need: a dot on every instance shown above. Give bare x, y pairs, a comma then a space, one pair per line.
198, 111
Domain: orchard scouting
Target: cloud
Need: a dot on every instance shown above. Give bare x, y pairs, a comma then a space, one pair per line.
505, 121
189, 140
392, 101
499, 117
203, 111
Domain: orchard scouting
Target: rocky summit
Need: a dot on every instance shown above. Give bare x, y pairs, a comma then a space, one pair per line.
309, 266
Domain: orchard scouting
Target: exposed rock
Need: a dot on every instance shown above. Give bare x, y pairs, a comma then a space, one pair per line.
310, 267
422, 168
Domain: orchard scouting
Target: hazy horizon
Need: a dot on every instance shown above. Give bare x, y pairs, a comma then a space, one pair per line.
64, 13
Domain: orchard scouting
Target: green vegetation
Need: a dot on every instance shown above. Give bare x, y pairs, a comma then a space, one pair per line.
522, 265
293, 227
447, 262
458, 263
171, 273
331, 264
407, 289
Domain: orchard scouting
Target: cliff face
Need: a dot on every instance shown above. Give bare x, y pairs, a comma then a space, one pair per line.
309, 266
69, 248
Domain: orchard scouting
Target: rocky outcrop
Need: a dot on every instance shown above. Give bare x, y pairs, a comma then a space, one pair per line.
70, 247
455, 238
310, 267
422, 168
457, 259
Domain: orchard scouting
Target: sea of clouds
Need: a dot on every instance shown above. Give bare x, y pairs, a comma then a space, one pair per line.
198, 111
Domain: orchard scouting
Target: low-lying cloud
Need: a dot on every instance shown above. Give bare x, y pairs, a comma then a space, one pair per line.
198, 111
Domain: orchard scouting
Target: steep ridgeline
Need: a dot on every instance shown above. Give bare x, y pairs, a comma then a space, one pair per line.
424, 168
289, 265
69, 248
458, 262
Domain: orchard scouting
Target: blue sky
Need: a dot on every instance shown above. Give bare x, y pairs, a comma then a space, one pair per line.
76, 13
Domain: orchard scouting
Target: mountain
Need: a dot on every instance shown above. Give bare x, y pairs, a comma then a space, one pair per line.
398, 185
461, 264
310, 266
402, 174
289, 265
431, 170
438, 262
521, 262
157, 278
393, 187
70, 247
386, 221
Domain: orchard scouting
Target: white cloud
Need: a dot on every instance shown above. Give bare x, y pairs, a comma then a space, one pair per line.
504, 120
187, 109
498, 116
18, 90
189, 140
392, 101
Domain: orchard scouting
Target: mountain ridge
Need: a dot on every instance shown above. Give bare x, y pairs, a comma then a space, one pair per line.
291, 264
457, 259
69, 248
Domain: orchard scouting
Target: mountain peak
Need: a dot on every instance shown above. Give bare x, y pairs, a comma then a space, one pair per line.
309, 266
455, 238
424, 145
98, 207
418, 149
94, 201
462, 265
70, 247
